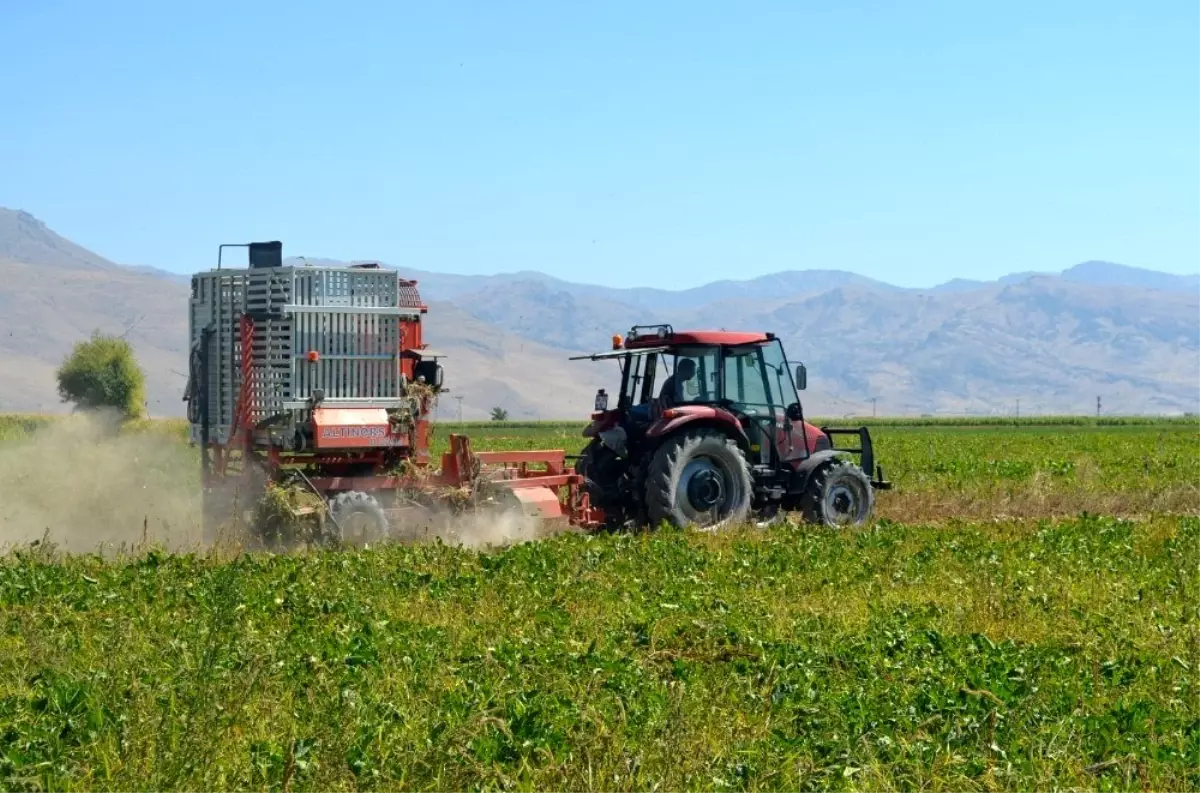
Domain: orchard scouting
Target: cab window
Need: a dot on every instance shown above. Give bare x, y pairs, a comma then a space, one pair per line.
639, 383
744, 384
777, 375
754, 377
704, 385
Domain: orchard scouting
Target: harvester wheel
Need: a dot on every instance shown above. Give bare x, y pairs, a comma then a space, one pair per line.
838, 494
698, 478
360, 518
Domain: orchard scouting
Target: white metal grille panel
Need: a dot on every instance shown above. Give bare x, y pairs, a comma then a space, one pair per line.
349, 318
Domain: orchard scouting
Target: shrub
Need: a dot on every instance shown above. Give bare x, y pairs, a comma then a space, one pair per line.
102, 372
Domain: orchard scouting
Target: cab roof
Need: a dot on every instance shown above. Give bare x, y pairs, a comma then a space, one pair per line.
649, 339
679, 338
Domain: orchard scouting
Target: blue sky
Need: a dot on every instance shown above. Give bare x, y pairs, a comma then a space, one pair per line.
657, 144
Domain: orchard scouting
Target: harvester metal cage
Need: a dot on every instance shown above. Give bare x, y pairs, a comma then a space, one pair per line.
275, 340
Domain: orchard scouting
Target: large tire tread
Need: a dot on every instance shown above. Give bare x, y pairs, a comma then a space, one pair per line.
812, 503
666, 468
344, 505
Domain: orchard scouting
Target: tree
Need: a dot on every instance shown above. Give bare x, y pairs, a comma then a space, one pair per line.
102, 372
499, 414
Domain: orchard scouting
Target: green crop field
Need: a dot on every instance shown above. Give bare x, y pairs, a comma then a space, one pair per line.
1023, 614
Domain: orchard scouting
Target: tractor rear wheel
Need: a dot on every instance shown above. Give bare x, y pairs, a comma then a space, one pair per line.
838, 494
359, 517
698, 478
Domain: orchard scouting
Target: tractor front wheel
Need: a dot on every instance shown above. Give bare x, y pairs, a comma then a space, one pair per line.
838, 494
698, 478
359, 517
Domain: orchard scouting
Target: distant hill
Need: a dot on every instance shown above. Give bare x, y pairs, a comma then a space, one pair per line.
1053, 341
44, 311
26, 240
444, 286
1053, 344
1109, 274
449, 286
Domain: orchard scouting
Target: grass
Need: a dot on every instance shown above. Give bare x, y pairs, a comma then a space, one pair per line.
1018, 657
983, 634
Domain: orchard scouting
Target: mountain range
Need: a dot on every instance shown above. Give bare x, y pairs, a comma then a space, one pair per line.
1053, 341
443, 286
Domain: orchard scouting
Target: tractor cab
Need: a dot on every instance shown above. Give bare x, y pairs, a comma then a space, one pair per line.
737, 379
707, 427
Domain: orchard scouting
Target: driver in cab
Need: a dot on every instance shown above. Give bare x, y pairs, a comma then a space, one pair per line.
670, 394
672, 388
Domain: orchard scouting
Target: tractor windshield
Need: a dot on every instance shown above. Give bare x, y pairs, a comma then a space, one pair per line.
758, 386
757, 379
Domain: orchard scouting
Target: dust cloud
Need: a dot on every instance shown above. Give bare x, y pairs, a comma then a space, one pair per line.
493, 530
85, 486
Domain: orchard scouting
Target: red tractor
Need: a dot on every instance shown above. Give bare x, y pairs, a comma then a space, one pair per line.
721, 441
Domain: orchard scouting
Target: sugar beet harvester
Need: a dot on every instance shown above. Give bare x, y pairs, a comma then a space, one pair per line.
319, 378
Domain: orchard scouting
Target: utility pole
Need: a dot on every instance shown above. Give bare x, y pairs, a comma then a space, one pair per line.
459, 398
873, 401
1018, 407
1097, 407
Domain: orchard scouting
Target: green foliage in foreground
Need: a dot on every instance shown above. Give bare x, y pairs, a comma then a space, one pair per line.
987, 656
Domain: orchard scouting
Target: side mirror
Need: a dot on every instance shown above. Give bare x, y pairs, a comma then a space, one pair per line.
794, 413
801, 378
